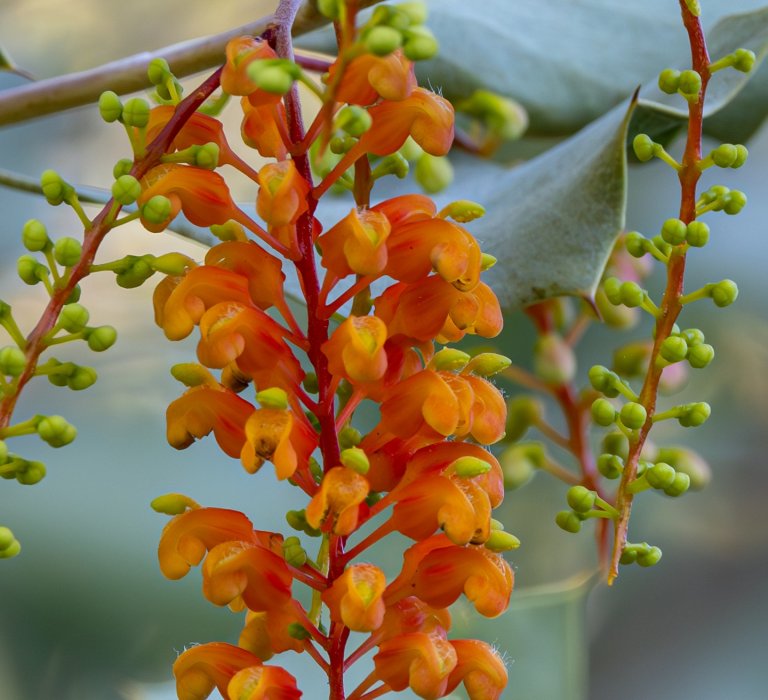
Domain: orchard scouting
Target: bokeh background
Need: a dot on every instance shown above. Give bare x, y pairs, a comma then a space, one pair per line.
85, 613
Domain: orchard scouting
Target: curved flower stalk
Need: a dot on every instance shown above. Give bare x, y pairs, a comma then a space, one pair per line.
275, 390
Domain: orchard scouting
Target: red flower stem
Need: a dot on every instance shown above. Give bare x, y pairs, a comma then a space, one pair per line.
310, 626
362, 284
312, 63
315, 654
376, 692
316, 582
363, 649
92, 238
670, 306
357, 693
349, 408
380, 532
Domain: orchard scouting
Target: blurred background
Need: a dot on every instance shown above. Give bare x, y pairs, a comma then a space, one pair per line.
85, 612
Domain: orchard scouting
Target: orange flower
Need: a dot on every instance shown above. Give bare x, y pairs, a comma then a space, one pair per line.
263, 127
276, 435
202, 195
419, 661
204, 408
356, 598
187, 537
489, 411
267, 633
433, 309
368, 77
413, 615
235, 571
241, 52
355, 351
263, 683
356, 245
480, 668
336, 506
230, 332
437, 571
204, 667
406, 209
180, 302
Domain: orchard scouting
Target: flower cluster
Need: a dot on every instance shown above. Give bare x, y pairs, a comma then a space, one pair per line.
287, 393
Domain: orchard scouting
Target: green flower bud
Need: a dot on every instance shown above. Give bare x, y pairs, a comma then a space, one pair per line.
110, 107
631, 360
32, 473
612, 315
382, 41
568, 520
310, 383
662, 245
420, 44
55, 189
743, 60
660, 475
724, 293
30, 271
296, 630
688, 462
669, 81
610, 466
673, 231
355, 459
354, 120
741, 156
157, 210
274, 397
603, 380
734, 202
172, 264
679, 486
276, 79
56, 431
173, 504
690, 84
486, 364
500, 541
725, 155
695, 415
697, 234
67, 251
519, 464
632, 294
416, 12
122, 167
9, 545
649, 557
136, 112
73, 318
616, 443
553, 359
3, 452
628, 555
207, 156
138, 272
643, 145
12, 361
581, 499
102, 338
603, 412
34, 236
126, 189
635, 244
487, 261
612, 288
433, 173
293, 553
633, 415
349, 437
297, 519
693, 336
674, 349
158, 71
470, 467
463, 211
329, 8
699, 356
522, 413
450, 360
81, 378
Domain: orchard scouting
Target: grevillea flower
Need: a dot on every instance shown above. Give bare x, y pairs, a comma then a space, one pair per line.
246, 570
202, 195
355, 598
406, 209
278, 436
230, 332
438, 572
187, 537
410, 614
263, 127
420, 661
434, 309
281, 200
263, 683
480, 668
267, 632
356, 352
204, 667
336, 505
241, 52
356, 245
368, 78
206, 408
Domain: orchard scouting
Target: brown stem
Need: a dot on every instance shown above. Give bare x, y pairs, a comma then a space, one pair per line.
670, 304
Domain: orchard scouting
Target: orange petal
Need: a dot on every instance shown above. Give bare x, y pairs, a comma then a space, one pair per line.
356, 245
356, 351
480, 668
241, 52
356, 598
266, 633
263, 683
204, 667
336, 505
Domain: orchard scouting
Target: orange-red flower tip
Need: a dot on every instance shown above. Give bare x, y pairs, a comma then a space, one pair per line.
204, 667
263, 683
480, 668
268, 632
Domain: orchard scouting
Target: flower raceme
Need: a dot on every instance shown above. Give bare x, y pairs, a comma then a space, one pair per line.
424, 470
